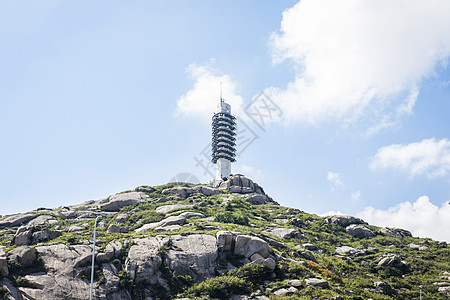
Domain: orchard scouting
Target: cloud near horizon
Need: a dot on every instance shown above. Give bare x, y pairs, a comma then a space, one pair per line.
358, 59
428, 157
422, 218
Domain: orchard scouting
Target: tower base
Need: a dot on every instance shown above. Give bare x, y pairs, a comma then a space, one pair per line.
223, 168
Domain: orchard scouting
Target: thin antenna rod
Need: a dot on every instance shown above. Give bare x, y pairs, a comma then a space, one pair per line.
221, 90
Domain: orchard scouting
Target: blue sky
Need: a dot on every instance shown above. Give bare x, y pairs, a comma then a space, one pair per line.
97, 98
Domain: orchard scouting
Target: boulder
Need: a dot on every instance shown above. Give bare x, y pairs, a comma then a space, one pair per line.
25, 256
3, 264
144, 260
194, 255
317, 282
392, 260
281, 292
23, 236
359, 231
166, 208
309, 246
350, 251
40, 220
116, 202
344, 220
270, 263
240, 184
207, 191
45, 235
168, 228
76, 228
122, 218
226, 240
386, 288
15, 220
62, 260
295, 283
248, 245
258, 199
396, 232
172, 220
113, 229
285, 233
180, 191
112, 250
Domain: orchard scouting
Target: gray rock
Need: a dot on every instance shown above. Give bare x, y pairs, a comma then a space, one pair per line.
386, 288
284, 221
14, 293
3, 264
281, 292
443, 288
295, 283
15, 220
396, 232
317, 282
344, 220
168, 228
40, 220
309, 246
270, 263
112, 250
350, 251
24, 255
359, 231
166, 208
195, 255
144, 260
76, 228
116, 202
121, 218
23, 236
257, 257
207, 191
113, 229
172, 220
225, 240
248, 245
285, 233
392, 260
45, 235
61, 259
258, 199
241, 184
180, 191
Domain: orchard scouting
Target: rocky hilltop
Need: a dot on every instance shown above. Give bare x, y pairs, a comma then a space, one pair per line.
201, 242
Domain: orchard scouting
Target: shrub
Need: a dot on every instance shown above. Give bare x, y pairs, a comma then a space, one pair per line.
252, 273
220, 287
232, 217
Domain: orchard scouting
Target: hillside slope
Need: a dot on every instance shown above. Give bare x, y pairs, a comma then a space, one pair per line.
199, 242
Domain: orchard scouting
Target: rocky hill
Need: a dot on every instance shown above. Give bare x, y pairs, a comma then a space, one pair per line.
200, 242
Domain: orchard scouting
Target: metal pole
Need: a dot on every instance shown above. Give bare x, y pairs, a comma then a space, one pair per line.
93, 258
420, 290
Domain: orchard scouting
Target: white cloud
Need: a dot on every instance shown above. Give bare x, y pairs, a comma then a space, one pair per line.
359, 58
336, 181
201, 101
429, 157
422, 218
